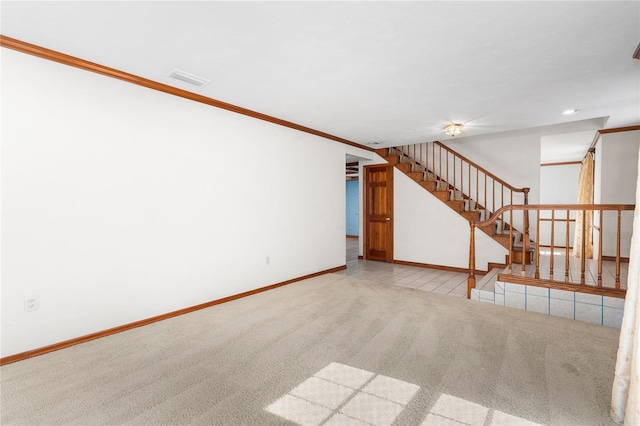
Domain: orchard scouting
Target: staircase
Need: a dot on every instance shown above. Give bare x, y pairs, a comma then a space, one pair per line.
465, 187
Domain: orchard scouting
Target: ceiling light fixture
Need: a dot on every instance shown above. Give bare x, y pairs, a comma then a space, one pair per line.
188, 78
453, 129
570, 111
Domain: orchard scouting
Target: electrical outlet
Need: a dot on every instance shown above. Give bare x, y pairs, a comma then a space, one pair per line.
31, 303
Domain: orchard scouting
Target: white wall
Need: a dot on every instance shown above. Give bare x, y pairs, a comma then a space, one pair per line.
121, 203
515, 156
426, 230
558, 185
617, 174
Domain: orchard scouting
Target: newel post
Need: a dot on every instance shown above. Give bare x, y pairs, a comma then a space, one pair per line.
526, 195
471, 282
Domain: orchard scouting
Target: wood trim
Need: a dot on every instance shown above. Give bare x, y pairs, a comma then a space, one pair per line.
601, 291
353, 236
52, 55
562, 163
613, 259
601, 132
636, 54
360, 257
82, 339
492, 265
592, 147
439, 267
555, 246
619, 129
548, 219
589, 207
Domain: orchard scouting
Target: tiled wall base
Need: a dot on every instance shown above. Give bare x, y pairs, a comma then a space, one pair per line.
600, 310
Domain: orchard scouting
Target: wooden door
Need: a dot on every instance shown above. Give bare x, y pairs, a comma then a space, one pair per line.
378, 244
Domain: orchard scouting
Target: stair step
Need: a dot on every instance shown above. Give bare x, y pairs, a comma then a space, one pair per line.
502, 239
485, 214
417, 176
471, 215
442, 195
517, 256
405, 167
488, 229
457, 205
430, 185
392, 159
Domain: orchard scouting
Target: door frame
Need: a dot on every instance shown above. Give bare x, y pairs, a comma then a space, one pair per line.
365, 210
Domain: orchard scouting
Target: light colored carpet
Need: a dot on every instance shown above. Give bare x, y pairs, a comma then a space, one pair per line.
458, 360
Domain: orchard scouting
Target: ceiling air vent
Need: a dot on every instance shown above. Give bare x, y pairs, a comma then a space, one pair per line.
188, 78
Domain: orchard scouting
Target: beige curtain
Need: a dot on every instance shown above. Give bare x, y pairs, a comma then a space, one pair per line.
585, 196
625, 395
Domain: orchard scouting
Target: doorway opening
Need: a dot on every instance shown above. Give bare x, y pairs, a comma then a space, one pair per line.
352, 225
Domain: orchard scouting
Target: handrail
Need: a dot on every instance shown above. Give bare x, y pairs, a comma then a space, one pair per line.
590, 207
482, 169
481, 191
610, 233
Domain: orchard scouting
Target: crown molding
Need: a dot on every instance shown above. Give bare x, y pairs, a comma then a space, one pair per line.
52, 55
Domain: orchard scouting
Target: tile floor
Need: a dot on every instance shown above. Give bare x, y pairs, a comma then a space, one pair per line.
425, 279
574, 270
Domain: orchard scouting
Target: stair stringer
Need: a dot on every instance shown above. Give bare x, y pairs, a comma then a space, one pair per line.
428, 231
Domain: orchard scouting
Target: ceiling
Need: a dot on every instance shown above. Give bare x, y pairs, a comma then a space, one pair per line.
388, 72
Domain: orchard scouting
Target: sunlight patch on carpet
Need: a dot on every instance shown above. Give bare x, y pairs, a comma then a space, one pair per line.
452, 411
345, 395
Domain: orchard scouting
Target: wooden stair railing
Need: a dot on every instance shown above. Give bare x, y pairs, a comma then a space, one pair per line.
546, 277
468, 188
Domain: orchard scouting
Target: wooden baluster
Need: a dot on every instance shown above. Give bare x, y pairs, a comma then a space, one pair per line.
476, 196
493, 195
413, 160
468, 181
425, 163
462, 183
421, 159
618, 251
433, 160
553, 235
447, 164
501, 195
600, 248
583, 254
510, 242
486, 206
471, 281
454, 174
440, 167
566, 250
525, 240
537, 244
